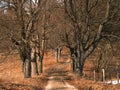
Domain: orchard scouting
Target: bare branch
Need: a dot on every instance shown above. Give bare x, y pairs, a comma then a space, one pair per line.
93, 6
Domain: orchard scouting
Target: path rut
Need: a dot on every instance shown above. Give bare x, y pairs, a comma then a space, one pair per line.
56, 83
56, 79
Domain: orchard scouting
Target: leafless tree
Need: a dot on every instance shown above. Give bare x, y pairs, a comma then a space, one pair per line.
30, 43
89, 19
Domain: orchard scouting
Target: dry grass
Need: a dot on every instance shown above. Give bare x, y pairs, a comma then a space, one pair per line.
11, 76
87, 82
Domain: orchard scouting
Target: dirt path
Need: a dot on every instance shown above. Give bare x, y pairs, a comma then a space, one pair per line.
56, 78
56, 83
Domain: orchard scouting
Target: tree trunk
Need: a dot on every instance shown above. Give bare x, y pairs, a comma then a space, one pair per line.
23, 66
73, 59
34, 68
57, 55
34, 62
80, 63
41, 67
60, 51
27, 68
80, 71
94, 73
72, 64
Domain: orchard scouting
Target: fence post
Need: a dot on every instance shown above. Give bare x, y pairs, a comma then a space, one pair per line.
103, 74
117, 73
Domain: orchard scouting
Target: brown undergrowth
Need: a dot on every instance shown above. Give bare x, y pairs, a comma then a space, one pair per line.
87, 82
11, 76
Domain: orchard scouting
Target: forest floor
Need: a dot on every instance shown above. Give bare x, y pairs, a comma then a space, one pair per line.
56, 76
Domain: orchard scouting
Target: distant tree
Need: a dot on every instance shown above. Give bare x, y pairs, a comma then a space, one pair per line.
55, 27
6, 27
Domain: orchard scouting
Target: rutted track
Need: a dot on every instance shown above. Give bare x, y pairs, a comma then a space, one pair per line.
56, 78
57, 83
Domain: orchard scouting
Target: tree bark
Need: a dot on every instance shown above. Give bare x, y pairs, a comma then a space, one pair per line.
34, 68
80, 72
41, 67
72, 64
73, 59
34, 62
57, 55
27, 68
23, 64
94, 73
80, 63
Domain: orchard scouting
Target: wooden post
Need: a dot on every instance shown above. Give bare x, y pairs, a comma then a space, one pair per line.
94, 73
117, 73
103, 73
110, 76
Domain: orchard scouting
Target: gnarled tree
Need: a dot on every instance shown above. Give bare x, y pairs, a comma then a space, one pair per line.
28, 16
89, 19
